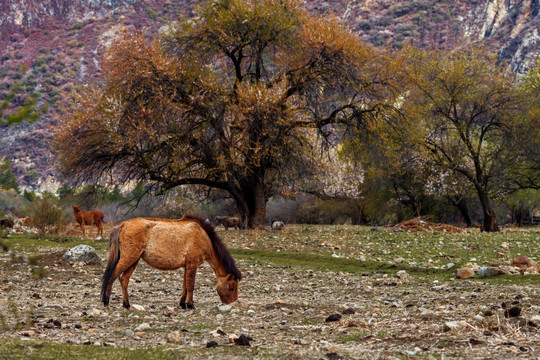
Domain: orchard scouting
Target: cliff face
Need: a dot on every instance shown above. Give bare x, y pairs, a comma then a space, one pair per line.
61, 43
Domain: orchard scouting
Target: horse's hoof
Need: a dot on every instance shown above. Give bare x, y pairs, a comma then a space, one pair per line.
190, 306
183, 305
127, 305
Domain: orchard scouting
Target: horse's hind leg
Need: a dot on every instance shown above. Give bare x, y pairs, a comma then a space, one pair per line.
124, 281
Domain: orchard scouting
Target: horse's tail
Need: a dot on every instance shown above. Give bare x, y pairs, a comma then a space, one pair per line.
114, 256
219, 247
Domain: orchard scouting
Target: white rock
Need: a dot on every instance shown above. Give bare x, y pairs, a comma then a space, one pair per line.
137, 307
174, 337
478, 318
224, 307
402, 274
142, 327
454, 325
82, 253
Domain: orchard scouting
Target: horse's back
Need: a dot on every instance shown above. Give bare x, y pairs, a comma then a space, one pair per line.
166, 244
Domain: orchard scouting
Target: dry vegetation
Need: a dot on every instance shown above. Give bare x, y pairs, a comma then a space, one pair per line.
294, 280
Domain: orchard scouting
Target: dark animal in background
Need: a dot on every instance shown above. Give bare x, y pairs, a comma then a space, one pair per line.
93, 217
218, 219
7, 223
277, 225
170, 245
232, 222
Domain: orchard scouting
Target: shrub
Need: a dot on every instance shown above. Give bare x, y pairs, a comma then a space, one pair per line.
78, 25
47, 216
31, 176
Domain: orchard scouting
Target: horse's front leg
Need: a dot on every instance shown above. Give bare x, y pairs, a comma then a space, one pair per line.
186, 301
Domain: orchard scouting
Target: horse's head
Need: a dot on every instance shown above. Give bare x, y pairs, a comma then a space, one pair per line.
227, 289
76, 209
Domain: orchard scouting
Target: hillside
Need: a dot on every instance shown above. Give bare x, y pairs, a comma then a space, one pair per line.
61, 44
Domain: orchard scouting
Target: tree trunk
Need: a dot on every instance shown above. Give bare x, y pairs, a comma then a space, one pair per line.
251, 203
490, 219
463, 208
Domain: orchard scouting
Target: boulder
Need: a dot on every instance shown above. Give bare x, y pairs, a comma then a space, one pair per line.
82, 253
521, 261
464, 273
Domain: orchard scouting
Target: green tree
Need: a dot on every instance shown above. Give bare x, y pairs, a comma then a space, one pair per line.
468, 107
229, 99
7, 179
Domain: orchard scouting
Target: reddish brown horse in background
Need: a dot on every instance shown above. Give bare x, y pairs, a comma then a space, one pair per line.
170, 245
88, 218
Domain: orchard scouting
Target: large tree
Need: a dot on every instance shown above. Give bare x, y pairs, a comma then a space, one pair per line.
468, 107
229, 99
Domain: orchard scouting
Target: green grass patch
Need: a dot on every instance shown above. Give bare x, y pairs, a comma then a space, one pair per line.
327, 263
17, 349
29, 242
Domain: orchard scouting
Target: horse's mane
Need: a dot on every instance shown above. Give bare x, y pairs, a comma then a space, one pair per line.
221, 250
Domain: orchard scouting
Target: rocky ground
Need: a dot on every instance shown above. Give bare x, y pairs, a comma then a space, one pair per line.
284, 311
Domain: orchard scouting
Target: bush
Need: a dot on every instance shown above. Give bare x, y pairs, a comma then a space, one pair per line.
47, 216
77, 26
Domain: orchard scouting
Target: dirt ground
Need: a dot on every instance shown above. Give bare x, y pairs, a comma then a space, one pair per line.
283, 310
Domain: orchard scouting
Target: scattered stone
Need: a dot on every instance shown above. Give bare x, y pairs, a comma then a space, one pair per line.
139, 333
402, 274
28, 333
36, 296
521, 261
94, 312
454, 325
224, 308
512, 312
334, 356
142, 327
333, 317
478, 318
137, 307
211, 344
464, 273
174, 337
482, 271
437, 287
348, 311
494, 271
449, 265
129, 332
243, 340
535, 320
82, 253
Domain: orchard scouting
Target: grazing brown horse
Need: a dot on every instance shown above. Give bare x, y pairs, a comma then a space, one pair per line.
232, 222
88, 218
170, 245
26, 220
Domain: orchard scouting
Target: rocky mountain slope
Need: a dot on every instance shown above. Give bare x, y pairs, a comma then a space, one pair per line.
49, 47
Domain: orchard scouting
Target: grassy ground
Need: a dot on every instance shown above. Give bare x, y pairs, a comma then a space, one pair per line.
293, 280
